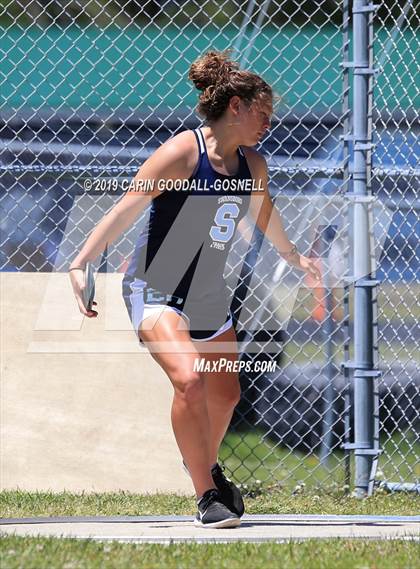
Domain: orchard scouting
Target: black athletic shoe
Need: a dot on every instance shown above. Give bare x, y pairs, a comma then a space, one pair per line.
213, 514
230, 494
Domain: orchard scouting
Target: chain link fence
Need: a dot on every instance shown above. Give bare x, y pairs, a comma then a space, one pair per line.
396, 138
90, 91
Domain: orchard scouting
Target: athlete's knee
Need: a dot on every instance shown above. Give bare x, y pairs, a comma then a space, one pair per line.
235, 397
188, 384
227, 397
232, 397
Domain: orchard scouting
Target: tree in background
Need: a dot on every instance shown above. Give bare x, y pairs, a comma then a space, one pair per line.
180, 12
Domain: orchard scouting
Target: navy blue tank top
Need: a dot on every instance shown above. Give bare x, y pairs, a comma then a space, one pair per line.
185, 244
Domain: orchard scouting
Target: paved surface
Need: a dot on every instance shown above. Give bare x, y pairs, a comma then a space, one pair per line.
254, 528
137, 453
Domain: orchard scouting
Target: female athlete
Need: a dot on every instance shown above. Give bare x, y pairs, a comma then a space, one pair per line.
200, 184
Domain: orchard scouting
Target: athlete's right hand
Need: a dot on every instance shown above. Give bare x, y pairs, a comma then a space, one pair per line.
77, 279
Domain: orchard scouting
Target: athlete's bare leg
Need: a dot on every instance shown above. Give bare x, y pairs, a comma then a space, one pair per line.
190, 420
223, 389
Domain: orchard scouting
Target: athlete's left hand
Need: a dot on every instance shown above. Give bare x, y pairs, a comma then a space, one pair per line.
309, 266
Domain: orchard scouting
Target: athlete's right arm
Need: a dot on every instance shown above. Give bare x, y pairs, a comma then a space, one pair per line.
173, 160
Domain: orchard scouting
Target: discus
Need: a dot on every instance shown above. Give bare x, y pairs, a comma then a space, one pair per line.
89, 292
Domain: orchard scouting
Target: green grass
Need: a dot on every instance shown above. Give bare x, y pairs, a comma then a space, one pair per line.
323, 493
51, 553
18, 503
288, 483
248, 458
31, 553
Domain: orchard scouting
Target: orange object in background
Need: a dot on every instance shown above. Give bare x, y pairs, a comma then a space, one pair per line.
319, 292
319, 311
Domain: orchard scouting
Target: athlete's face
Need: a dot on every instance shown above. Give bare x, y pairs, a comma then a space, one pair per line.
251, 120
258, 120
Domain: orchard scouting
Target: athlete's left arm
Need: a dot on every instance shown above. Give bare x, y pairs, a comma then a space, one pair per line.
269, 221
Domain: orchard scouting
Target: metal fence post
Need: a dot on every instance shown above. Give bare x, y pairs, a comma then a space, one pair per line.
364, 362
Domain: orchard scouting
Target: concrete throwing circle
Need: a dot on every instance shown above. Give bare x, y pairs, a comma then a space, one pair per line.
178, 529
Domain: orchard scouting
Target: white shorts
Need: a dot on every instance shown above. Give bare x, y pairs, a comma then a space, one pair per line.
139, 310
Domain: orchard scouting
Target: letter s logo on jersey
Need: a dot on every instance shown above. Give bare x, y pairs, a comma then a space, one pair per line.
225, 222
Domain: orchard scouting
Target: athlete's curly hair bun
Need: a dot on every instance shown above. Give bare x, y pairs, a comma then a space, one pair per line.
211, 68
220, 78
